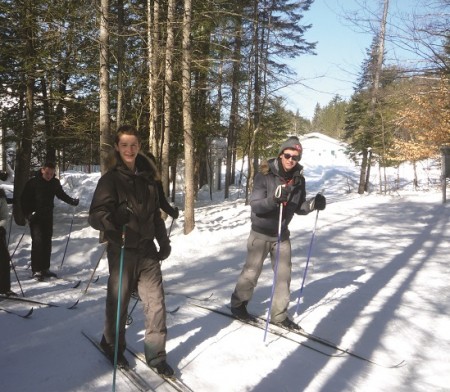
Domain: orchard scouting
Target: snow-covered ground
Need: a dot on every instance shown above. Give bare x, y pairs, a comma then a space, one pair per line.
377, 284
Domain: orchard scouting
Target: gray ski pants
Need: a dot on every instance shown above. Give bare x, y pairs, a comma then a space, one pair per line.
258, 247
143, 273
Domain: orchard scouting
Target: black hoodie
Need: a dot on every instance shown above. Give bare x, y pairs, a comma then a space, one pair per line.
138, 190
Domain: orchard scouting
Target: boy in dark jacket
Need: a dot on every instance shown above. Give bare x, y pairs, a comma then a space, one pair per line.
126, 208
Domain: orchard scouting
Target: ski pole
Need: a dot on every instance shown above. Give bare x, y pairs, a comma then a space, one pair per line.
18, 244
93, 272
68, 238
307, 263
13, 266
17, 276
119, 295
10, 229
277, 258
129, 318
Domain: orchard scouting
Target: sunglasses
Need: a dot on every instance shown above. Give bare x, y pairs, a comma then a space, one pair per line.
296, 158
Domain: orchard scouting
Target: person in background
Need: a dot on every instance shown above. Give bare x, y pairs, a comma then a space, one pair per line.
279, 181
5, 258
125, 206
37, 202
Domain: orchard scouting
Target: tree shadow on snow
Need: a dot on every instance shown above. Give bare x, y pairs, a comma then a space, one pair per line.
341, 318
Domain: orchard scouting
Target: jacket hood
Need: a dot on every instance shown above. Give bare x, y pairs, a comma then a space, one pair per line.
143, 164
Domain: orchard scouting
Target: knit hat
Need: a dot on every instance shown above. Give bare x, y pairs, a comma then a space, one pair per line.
292, 143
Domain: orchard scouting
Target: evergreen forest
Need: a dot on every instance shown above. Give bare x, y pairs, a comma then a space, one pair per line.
187, 73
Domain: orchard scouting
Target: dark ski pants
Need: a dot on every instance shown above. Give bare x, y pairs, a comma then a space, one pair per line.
258, 247
41, 229
144, 273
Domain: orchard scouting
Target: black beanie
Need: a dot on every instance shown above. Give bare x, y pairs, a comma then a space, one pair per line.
293, 143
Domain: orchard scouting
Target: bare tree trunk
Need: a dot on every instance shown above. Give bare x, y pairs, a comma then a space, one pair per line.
415, 180
369, 165
106, 140
380, 56
120, 62
234, 109
362, 174
261, 45
23, 157
49, 128
168, 76
365, 168
257, 99
189, 219
152, 34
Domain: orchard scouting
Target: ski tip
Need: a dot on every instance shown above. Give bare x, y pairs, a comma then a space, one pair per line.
77, 284
24, 316
173, 311
30, 312
74, 305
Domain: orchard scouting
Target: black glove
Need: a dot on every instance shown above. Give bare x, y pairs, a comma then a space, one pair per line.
122, 214
319, 202
2, 232
75, 202
175, 214
282, 194
164, 250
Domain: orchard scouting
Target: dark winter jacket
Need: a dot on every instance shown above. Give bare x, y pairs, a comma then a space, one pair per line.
39, 194
264, 210
138, 191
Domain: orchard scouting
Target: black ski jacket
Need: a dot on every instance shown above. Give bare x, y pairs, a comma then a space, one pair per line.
39, 194
138, 190
264, 210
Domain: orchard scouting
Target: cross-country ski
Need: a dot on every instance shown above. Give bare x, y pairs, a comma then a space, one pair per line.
15, 313
70, 305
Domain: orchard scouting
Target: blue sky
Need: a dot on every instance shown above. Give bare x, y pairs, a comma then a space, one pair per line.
340, 50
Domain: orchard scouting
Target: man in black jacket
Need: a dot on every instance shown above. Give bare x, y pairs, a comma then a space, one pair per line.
37, 202
280, 181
